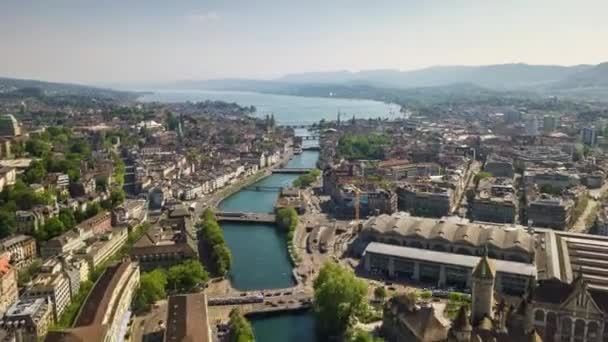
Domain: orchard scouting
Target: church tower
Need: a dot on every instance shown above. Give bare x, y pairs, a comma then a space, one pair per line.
483, 278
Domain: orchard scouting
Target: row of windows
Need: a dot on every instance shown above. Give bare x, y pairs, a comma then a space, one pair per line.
453, 249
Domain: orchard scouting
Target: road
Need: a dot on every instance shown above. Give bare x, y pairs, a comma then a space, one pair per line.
595, 195
580, 226
147, 328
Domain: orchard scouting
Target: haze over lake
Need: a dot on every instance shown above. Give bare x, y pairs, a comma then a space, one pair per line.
287, 109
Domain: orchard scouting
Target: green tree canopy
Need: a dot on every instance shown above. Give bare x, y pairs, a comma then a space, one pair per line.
151, 289
380, 292
357, 335
66, 216
306, 179
222, 258
7, 224
51, 228
339, 297
240, 328
37, 147
186, 276
212, 236
117, 196
172, 121
362, 146
35, 173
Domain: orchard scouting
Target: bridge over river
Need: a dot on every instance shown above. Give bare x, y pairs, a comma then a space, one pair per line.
263, 188
232, 216
262, 301
293, 170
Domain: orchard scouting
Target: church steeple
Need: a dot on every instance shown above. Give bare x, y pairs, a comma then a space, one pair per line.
483, 289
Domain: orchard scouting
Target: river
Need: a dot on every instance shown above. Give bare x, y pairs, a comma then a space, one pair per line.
260, 258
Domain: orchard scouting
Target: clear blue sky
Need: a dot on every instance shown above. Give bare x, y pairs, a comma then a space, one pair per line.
157, 40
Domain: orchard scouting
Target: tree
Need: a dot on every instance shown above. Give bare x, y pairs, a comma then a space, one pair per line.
362, 146
151, 289
222, 258
24, 198
37, 147
117, 196
380, 292
287, 218
208, 214
66, 216
212, 236
339, 297
119, 171
51, 228
186, 276
7, 224
92, 210
240, 328
172, 122
357, 335
35, 173
81, 148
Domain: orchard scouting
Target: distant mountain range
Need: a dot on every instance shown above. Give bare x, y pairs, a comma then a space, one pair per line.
579, 81
499, 77
21, 87
587, 81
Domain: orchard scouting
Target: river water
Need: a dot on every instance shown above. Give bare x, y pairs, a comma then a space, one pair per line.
260, 258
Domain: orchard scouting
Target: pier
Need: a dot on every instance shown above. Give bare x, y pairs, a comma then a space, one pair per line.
223, 216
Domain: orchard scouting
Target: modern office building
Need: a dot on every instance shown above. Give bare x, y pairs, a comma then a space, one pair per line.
589, 136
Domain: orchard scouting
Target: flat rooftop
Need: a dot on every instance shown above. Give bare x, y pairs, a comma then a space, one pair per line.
436, 257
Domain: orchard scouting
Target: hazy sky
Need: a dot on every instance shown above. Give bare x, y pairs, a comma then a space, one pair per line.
140, 40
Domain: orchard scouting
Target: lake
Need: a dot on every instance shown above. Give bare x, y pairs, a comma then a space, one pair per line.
286, 109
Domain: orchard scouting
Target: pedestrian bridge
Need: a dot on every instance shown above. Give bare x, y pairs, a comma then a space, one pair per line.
293, 170
232, 216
